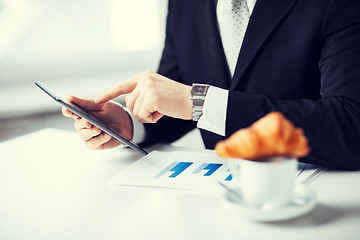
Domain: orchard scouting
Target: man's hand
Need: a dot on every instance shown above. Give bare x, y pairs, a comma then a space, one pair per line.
110, 113
153, 96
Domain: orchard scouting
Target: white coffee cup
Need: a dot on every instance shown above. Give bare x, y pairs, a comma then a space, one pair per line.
265, 184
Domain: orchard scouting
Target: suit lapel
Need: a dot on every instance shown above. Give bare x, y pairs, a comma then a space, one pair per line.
204, 13
266, 16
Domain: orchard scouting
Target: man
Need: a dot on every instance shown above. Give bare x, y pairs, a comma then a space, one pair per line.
298, 57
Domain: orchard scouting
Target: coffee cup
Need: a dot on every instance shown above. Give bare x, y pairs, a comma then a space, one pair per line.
265, 184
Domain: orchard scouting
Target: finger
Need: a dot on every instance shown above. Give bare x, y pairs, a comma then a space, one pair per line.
156, 116
111, 144
85, 134
127, 99
67, 113
149, 112
85, 123
97, 142
122, 88
138, 118
141, 120
137, 104
80, 124
87, 104
131, 99
145, 112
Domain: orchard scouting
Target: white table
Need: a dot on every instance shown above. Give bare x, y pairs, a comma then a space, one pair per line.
52, 187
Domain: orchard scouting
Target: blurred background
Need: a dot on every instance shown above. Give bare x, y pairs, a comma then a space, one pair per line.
80, 47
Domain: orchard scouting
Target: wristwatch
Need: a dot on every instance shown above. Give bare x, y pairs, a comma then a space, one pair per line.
198, 94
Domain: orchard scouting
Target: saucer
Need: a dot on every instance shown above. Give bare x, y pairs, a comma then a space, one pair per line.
304, 200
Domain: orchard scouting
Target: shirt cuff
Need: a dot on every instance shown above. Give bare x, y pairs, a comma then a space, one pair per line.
138, 128
214, 111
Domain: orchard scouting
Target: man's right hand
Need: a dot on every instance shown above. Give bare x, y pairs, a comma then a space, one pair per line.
111, 113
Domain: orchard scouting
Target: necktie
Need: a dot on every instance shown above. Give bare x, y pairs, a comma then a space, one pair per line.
233, 18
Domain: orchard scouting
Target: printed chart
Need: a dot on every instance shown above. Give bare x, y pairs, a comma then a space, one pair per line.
179, 167
192, 171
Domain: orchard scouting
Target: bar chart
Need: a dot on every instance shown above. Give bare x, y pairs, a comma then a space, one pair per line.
179, 167
176, 170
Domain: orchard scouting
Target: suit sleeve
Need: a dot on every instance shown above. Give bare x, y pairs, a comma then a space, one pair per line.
332, 124
167, 129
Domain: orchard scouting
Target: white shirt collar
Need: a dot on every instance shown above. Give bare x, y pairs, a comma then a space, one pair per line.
251, 5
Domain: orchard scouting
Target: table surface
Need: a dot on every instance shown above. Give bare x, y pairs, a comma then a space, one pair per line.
53, 187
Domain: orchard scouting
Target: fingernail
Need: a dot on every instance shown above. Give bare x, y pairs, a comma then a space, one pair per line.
94, 130
106, 136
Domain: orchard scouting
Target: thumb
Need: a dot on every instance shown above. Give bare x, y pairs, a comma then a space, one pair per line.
87, 104
122, 88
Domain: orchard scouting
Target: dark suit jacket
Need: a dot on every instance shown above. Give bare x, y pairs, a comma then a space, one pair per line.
299, 57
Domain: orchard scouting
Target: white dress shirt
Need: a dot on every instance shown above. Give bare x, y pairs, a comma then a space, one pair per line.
215, 105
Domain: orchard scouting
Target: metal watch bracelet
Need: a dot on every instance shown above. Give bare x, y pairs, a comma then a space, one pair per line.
198, 95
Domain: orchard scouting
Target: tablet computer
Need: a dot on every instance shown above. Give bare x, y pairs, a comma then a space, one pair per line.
89, 117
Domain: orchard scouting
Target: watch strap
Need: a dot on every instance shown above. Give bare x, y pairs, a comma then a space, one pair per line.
198, 95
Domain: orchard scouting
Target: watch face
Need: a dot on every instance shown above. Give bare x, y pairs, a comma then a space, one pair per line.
199, 89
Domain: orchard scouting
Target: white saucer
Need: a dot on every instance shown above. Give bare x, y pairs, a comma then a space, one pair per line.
304, 201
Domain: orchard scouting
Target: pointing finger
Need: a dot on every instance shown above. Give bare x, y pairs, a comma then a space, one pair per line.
122, 88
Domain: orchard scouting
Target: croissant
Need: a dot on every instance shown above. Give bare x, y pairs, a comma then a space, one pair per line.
270, 136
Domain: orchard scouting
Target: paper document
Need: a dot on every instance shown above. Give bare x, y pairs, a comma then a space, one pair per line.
184, 170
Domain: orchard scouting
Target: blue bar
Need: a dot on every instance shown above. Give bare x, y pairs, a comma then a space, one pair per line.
167, 169
212, 167
179, 168
176, 167
229, 178
202, 167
